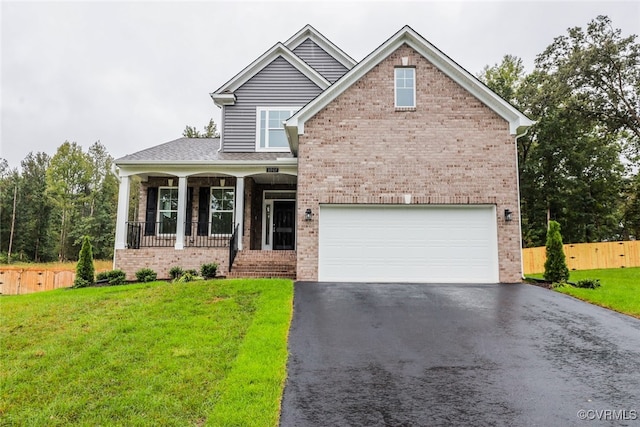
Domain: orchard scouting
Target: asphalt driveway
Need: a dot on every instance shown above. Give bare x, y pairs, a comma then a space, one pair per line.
472, 355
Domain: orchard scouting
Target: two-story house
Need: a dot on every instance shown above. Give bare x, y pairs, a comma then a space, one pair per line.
401, 167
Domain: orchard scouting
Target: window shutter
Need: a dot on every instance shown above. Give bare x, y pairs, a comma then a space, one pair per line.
203, 211
189, 213
152, 209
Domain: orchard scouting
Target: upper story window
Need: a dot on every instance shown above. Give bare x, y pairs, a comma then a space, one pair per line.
405, 85
270, 134
167, 210
222, 204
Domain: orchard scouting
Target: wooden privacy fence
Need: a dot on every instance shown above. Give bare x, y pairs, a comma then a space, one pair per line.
22, 281
18, 281
587, 256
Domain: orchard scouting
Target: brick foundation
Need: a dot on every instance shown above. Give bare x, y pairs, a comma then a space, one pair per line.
161, 260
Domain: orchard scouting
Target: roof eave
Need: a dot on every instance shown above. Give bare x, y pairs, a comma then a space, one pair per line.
221, 99
279, 161
407, 35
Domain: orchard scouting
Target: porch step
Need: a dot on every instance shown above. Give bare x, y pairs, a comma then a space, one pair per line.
255, 263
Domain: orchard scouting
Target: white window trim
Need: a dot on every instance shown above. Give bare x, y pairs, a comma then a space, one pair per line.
267, 109
233, 210
159, 212
395, 88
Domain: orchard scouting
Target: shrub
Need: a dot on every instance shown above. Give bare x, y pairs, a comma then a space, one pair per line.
588, 283
146, 275
191, 271
188, 276
85, 272
555, 267
208, 271
114, 277
176, 272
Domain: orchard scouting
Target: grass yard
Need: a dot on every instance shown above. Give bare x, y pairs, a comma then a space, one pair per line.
620, 290
199, 353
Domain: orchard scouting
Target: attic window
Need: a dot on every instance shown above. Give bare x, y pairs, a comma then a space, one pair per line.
405, 87
270, 134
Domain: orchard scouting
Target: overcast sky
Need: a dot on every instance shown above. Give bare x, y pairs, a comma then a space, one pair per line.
133, 74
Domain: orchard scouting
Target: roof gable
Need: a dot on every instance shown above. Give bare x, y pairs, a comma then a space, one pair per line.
310, 33
295, 125
224, 94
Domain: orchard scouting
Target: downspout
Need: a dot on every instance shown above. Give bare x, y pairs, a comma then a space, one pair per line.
519, 204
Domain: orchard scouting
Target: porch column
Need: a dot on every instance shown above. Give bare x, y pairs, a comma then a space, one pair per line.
123, 213
182, 209
239, 208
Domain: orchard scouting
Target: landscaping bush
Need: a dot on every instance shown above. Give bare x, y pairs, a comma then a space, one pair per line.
113, 277
176, 272
208, 271
188, 276
555, 267
146, 275
588, 283
85, 273
191, 271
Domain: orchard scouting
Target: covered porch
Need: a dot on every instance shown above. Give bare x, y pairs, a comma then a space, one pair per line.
190, 216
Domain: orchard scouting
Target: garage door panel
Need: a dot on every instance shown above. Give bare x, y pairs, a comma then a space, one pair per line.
408, 243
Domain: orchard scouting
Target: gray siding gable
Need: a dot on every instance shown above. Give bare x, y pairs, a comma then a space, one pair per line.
277, 84
320, 60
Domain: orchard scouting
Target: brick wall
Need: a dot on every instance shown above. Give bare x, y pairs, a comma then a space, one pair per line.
162, 259
450, 149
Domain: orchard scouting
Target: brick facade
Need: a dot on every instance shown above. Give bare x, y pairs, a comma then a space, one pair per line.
449, 149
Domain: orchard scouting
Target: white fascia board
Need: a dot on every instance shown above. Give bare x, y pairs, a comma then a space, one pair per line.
248, 167
407, 35
308, 32
265, 59
212, 163
469, 82
221, 99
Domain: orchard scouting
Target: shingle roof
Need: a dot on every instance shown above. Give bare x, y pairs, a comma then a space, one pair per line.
194, 150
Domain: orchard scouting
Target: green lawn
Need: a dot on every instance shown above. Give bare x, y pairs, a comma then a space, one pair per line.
199, 353
620, 290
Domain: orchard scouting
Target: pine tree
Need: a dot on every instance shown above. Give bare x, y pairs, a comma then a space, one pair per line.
555, 267
85, 273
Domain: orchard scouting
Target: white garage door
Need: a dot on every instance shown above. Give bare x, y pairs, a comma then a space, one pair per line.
435, 244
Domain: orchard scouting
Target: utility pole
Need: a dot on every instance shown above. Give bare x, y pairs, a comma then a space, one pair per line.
13, 223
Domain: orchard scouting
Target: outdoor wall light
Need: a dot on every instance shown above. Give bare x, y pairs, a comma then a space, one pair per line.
508, 215
308, 214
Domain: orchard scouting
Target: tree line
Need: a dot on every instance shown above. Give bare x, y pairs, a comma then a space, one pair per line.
578, 164
51, 202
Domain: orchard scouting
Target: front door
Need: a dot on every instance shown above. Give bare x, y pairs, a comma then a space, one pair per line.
284, 225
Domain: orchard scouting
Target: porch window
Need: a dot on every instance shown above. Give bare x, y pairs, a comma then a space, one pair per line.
405, 87
222, 203
167, 210
270, 131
